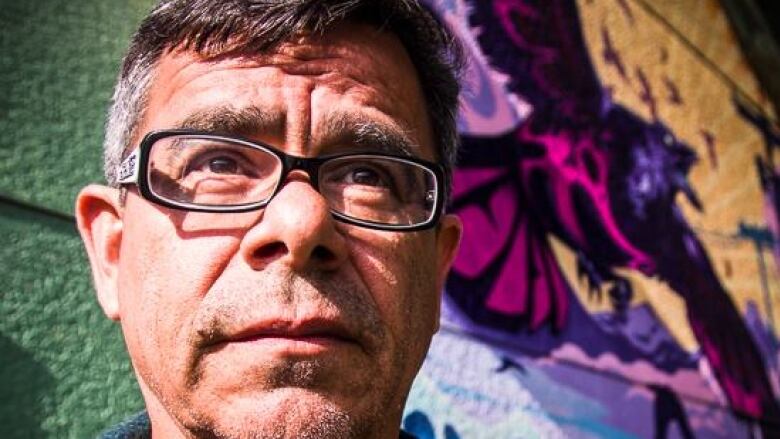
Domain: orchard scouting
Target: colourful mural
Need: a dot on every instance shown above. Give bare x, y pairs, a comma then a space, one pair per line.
620, 201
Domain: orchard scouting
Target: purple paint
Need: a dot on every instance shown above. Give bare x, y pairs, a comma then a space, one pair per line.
626, 10
601, 180
746, 402
567, 173
709, 143
646, 93
673, 93
611, 55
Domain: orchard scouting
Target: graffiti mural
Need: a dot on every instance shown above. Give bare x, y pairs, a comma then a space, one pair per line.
595, 294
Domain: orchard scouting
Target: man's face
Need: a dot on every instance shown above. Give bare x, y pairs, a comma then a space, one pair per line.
280, 321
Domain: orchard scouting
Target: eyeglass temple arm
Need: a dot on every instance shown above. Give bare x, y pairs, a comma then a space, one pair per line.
128, 170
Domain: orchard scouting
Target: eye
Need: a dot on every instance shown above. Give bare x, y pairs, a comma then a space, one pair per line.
225, 163
368, 175
364, 176
222, 165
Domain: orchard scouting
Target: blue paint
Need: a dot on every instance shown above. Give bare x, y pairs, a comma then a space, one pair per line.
759, 235
466, 393
450, 433
448, 5
418, 424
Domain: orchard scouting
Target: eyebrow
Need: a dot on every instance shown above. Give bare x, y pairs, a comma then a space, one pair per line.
228, 120
338, 129
360, 131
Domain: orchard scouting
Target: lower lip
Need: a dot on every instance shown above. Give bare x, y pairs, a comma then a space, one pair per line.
301, 345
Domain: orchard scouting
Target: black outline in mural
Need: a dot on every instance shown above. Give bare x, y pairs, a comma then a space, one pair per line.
601, 180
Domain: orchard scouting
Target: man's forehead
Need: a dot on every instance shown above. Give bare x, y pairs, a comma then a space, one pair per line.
346, 45
338, 42
369, 66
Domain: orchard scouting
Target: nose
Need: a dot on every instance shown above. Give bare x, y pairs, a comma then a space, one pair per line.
296, 229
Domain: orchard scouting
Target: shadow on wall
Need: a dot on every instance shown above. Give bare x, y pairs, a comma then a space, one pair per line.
24, 382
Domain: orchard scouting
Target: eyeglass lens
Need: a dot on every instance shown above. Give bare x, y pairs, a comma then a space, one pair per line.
207, 172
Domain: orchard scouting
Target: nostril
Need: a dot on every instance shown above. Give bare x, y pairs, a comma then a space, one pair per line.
322, 254
270, 251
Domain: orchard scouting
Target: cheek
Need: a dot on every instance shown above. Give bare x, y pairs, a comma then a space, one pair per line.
163, 278
399, 271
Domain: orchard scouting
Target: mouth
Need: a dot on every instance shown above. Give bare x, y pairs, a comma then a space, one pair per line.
304, 338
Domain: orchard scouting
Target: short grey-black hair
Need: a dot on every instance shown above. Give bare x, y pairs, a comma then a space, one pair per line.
224, 27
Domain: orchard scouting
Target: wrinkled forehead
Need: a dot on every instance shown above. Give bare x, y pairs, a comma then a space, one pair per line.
352, 75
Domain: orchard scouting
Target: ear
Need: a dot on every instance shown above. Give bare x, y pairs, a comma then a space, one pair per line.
448, 235
99, 220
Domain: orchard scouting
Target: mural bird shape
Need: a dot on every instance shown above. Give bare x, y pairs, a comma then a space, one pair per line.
598, 178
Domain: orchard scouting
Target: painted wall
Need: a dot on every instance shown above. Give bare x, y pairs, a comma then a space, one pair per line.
617, 276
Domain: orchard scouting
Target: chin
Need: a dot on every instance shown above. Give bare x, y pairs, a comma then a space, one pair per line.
281, 413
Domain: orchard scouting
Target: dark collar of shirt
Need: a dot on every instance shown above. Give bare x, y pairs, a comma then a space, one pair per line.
139, 427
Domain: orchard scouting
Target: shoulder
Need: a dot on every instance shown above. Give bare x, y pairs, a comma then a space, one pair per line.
135, 427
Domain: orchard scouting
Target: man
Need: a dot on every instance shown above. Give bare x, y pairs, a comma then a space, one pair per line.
272, 239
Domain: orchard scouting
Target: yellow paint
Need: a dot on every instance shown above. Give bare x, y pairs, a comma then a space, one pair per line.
669, 307
729, 189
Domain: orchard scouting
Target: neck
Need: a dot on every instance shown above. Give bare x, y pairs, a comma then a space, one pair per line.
163, 425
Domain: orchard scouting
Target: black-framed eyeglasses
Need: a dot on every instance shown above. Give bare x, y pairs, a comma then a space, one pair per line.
206, 172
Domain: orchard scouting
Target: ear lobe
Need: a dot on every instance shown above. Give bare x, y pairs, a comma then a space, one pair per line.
448, 235
98, 217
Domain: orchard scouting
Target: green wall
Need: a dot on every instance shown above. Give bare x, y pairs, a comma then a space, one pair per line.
60, 358
63, 368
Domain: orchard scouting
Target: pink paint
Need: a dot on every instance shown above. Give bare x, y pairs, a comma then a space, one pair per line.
564, 166
540, 294
485, 233
466, 180
740, 399
510, 293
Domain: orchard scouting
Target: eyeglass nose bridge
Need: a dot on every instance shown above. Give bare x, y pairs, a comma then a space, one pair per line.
309, 165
